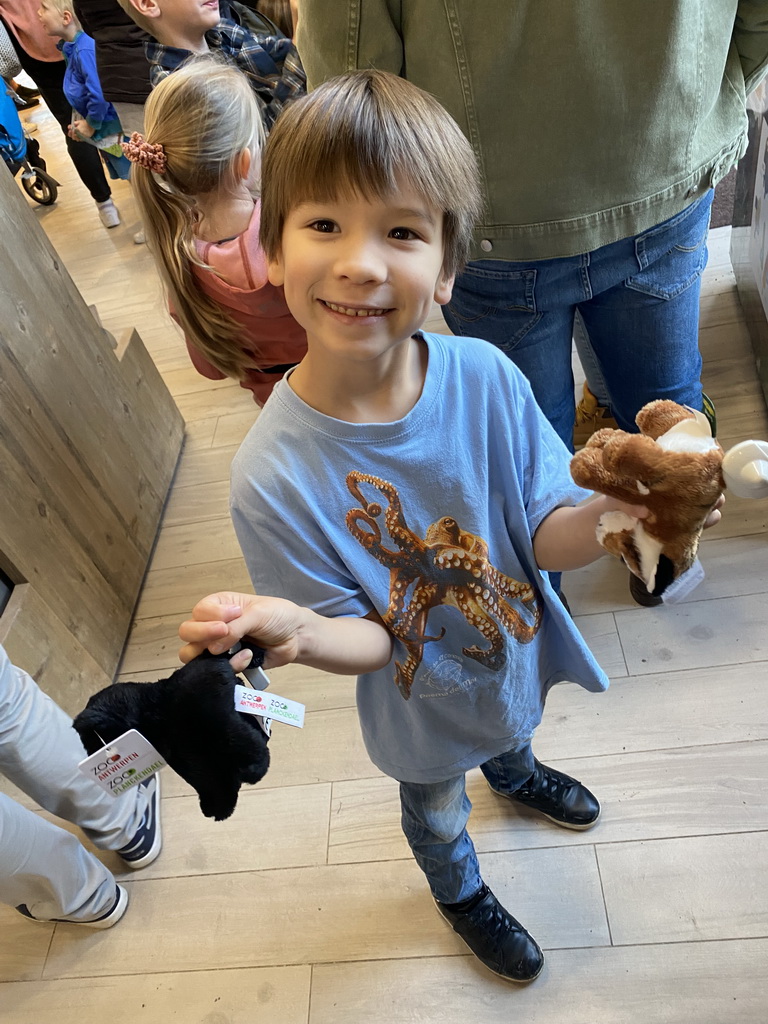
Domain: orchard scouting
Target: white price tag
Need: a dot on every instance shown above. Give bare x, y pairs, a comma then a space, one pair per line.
269, 705
123, 763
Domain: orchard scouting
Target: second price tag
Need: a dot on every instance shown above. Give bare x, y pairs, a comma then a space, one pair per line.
269, 705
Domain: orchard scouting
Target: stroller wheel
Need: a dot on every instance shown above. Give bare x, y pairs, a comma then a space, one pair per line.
40, 186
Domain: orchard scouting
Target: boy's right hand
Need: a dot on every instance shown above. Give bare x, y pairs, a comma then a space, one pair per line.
220, 620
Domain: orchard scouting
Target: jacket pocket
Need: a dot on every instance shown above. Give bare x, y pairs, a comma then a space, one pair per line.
673, 255
497, 305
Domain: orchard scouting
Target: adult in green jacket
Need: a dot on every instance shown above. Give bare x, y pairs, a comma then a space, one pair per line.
601, 128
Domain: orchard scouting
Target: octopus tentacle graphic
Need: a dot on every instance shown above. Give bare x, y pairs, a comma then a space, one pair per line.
450, 567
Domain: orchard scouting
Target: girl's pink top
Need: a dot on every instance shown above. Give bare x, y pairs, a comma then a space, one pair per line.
21, 16
269, 332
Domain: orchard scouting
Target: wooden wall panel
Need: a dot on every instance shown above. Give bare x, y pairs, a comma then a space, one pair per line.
89, 439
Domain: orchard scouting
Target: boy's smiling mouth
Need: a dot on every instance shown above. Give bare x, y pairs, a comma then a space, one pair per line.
355, 310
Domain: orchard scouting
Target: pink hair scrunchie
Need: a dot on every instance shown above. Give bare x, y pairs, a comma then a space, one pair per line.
148, 154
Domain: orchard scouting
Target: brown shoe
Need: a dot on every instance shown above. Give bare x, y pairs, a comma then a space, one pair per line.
590, 417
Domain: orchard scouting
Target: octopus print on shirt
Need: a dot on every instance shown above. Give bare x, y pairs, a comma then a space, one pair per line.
448, 567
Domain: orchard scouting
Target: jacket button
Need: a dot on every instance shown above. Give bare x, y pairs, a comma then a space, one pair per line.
486, 245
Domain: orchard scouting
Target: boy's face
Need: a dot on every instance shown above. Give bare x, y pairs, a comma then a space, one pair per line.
180, 19
361, 276
51, 20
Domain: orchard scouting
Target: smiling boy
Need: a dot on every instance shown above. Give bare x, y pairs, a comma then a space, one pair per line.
401, 497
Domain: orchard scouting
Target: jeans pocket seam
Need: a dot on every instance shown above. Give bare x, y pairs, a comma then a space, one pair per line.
512, 345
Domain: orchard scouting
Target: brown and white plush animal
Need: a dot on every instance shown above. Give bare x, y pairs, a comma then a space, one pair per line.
674, 468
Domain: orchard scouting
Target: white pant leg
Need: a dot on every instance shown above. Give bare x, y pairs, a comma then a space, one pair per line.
48, 870
39, 752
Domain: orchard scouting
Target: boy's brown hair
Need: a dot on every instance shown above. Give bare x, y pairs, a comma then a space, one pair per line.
370, 133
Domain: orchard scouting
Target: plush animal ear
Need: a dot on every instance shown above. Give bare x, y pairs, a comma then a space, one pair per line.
656, 418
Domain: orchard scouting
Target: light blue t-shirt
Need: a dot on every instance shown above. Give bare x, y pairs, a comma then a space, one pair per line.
428, 520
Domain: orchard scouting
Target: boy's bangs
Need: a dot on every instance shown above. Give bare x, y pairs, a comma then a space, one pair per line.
363, 148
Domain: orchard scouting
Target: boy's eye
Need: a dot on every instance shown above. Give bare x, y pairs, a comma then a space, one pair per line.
403, 234
324, 226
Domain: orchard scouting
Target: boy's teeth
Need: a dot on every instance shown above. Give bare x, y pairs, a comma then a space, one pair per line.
355, 312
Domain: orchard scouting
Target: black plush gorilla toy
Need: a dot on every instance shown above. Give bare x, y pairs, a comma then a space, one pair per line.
190, 719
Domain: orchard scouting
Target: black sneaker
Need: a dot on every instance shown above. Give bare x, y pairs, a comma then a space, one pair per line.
147, 841
558, 797
495, 937
112, 916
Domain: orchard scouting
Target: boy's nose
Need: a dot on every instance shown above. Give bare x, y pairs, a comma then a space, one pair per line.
361, 263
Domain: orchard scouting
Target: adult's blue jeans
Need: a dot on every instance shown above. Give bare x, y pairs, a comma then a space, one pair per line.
638, 299
434, 818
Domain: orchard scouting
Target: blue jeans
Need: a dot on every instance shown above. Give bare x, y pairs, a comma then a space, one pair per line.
638, 299
435, 819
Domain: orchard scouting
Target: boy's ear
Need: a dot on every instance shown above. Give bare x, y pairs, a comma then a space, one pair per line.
444, 289
147, 8
275, 271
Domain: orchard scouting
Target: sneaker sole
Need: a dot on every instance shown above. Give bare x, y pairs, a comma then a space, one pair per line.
114, 916
110, 919
543, 814
504, 977
157, 845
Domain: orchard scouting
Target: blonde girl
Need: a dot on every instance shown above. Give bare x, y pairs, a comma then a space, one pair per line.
195, 178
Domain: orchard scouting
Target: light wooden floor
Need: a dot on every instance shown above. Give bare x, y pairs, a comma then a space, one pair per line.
306, 908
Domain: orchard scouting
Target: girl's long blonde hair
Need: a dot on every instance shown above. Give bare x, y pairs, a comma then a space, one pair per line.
204, 115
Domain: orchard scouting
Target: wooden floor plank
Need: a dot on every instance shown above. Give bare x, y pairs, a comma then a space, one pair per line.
688, 983
271, 995
677, 890
724, 631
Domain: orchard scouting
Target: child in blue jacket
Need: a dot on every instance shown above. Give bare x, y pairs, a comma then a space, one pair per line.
94, 119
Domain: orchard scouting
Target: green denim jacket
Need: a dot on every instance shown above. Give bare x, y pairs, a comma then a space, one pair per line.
592, 120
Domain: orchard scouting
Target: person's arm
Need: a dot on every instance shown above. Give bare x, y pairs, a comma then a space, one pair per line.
566, 538
750, 34
290, 633
97, 108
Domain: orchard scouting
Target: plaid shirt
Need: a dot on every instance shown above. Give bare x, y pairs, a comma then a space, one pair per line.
272, 64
